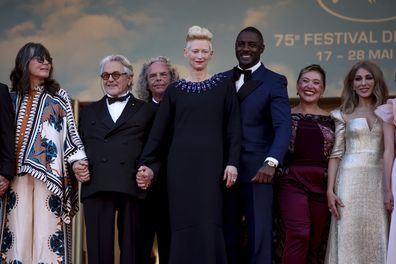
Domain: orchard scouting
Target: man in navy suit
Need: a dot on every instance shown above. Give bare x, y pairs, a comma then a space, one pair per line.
266, 129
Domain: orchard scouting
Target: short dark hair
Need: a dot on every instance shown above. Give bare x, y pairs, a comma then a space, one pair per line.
253, 30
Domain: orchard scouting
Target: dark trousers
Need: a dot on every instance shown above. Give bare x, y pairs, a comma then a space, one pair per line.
248, 205
156, 221
100, 210
305, 214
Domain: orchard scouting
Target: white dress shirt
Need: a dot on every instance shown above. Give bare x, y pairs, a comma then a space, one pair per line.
239, 83
116, 108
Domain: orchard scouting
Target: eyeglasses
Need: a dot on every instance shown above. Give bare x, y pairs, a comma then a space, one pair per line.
116, 75
42, 59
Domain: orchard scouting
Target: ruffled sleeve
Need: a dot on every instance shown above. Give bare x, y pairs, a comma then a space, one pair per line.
387, 112
339, 145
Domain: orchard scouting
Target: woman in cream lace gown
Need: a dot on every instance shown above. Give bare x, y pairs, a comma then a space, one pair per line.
359, 225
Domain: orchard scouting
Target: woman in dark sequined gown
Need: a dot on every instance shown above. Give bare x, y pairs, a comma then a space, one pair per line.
203, 115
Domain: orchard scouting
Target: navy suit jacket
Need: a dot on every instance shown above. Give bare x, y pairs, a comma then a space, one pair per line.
266, 120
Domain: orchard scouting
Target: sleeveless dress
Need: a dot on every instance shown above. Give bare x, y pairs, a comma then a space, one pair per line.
387, 113
361, 235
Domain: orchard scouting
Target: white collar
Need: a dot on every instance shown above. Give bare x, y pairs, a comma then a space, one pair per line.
253, 68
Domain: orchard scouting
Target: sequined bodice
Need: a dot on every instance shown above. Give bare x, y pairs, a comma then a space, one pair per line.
360, 138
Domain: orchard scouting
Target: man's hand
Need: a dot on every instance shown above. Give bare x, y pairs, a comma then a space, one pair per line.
144, 177
264, 175
4, 184
81, 171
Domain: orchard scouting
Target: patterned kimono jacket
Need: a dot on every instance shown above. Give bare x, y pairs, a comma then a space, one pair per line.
46, 148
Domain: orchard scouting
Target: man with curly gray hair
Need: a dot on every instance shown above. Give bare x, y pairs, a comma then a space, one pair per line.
157, 73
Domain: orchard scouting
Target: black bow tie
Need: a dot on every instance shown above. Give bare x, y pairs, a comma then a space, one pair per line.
237, 74
112, 100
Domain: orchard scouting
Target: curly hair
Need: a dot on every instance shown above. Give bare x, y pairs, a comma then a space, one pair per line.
350, 100
142, 90
19, 76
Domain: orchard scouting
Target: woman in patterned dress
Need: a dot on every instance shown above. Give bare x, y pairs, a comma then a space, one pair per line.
42, 198
201, 114
302, 187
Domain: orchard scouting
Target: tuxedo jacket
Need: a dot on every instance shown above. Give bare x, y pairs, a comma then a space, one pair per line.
113, 149
266, 120
7, 134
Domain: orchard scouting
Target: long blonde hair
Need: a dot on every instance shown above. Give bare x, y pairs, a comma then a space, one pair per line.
350, 100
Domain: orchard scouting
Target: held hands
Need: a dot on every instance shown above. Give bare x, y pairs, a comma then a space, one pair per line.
81, 170
144, 177
230, 175
332, 201
388, 201
4, 184
264, 175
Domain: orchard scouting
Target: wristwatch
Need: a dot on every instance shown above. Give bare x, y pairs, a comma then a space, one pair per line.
271, 163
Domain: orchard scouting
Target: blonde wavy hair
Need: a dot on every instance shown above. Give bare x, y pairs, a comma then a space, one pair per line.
350, 100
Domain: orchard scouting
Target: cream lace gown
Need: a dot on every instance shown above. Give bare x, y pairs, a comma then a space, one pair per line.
361, 235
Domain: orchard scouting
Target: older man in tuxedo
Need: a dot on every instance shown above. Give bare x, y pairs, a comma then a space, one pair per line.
114, 131
266, 129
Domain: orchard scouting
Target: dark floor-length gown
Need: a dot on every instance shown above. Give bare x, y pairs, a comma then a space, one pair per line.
204, 123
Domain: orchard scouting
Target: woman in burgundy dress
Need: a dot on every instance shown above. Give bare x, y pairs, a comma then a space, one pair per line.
302, 186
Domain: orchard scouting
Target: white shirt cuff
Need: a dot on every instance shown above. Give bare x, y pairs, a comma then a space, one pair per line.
273, 160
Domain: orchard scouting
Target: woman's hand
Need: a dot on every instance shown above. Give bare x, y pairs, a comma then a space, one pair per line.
333, 201
388, 201
144, 177
230, 175
81, 171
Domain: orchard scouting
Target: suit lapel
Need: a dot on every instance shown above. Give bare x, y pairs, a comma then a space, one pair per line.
255, 81
247, 88
104, 114
130, 109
